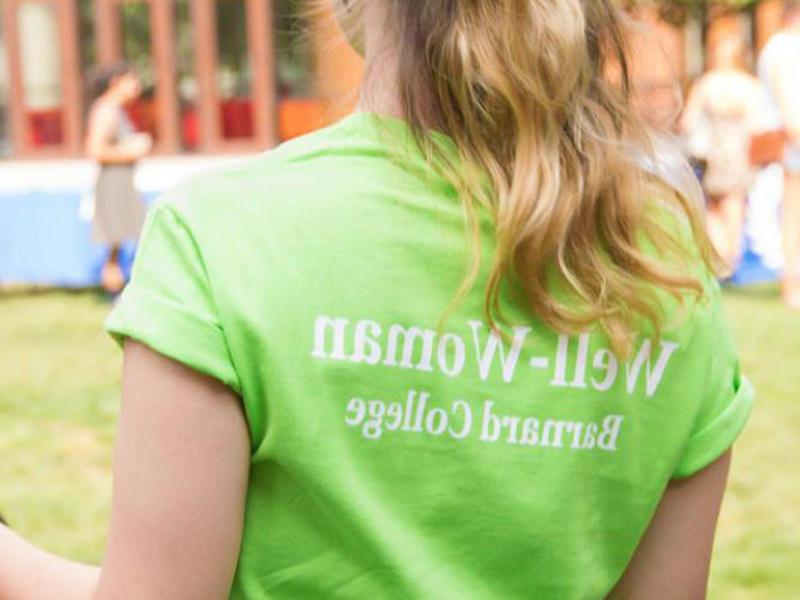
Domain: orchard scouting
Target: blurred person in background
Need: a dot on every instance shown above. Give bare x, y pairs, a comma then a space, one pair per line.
779, 69
721, 115
457, 345
113, 142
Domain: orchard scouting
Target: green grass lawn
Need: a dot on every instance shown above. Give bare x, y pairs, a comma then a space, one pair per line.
59, 397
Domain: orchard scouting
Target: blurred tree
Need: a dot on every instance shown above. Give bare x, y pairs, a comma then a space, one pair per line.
136, 40
87, 37
232, 47
293, 40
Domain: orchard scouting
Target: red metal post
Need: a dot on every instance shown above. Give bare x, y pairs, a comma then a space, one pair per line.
20, 140
162, 24
71, 79
107, 31
261, 45
205, 53
769, 15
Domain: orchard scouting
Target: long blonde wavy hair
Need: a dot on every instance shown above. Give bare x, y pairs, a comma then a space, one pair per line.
537, 96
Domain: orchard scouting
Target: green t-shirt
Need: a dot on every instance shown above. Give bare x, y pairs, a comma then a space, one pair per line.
394, 457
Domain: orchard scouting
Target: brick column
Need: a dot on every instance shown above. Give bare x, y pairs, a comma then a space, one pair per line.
20, 142
261, 47
162, 24
71, 77
205, 57
107, 31
769, 15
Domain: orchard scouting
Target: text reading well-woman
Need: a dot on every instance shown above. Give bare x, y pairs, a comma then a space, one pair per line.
457, 345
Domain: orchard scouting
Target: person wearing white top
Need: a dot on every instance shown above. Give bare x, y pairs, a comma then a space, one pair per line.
777, 68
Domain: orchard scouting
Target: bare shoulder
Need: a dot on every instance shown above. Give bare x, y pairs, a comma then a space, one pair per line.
102, 112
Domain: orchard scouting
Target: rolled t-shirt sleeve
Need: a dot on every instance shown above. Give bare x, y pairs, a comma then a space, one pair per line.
727, 402
168, 304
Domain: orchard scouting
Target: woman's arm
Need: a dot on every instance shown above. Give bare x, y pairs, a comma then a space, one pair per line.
180, 476
673, 558
788, 91
694, 106
28, 572
102, 123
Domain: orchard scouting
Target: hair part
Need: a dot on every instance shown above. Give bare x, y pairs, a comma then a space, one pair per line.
537, 96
